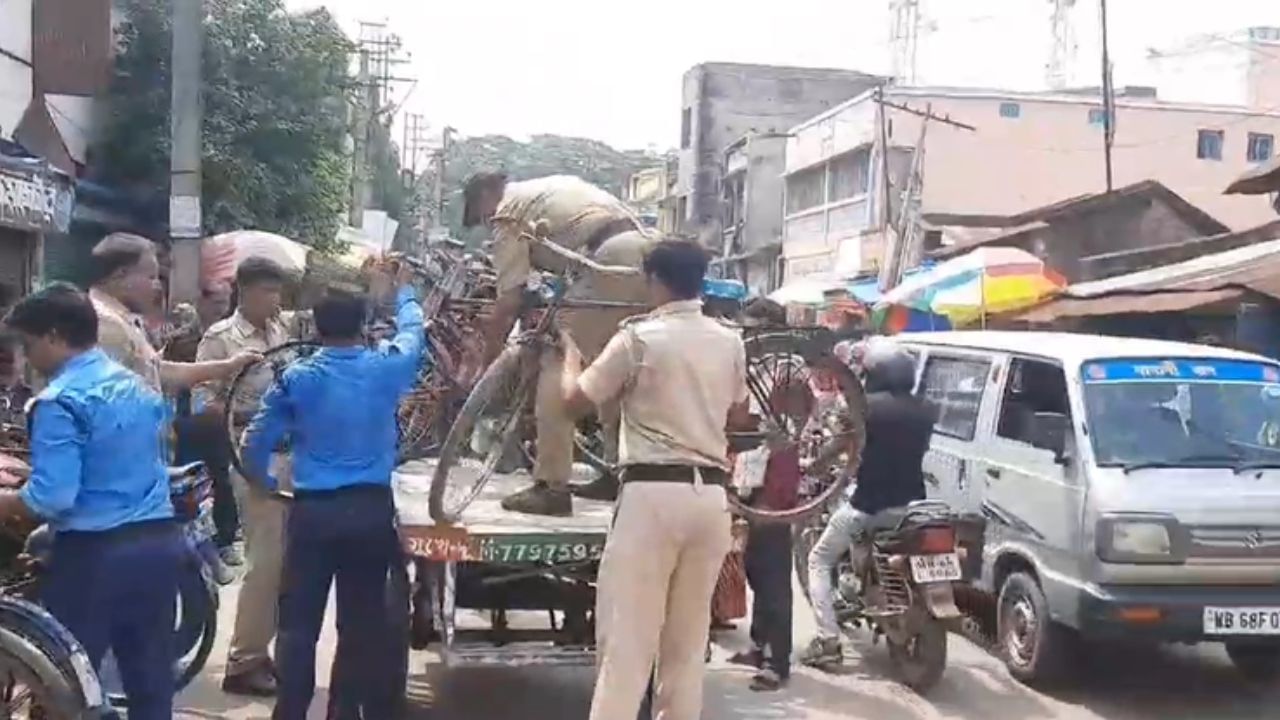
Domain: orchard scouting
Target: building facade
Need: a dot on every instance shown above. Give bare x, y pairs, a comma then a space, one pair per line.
35, 201
1026, 150
1241, 68
644, 193
751, 211
724, 102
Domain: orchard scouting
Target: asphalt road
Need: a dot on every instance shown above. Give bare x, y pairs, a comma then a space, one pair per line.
1113, 684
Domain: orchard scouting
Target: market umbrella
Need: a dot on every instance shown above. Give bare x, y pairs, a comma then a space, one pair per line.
220, 255
985, 281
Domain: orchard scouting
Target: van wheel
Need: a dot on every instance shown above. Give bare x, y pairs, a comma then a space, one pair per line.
1258, 662
1033, 646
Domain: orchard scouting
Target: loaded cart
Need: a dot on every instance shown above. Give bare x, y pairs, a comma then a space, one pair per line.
503, 588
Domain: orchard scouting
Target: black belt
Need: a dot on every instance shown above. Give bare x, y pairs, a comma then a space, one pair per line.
344, 491
131, 531
686, 474
611, 228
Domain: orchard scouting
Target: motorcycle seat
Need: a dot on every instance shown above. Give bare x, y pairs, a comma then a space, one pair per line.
183, 472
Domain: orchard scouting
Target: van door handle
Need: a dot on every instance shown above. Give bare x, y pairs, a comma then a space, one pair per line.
993, 473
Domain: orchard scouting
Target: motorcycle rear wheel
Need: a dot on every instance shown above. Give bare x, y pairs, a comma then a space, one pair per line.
30, 678
920, 660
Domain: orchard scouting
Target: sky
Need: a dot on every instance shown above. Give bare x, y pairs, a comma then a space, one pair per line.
612, 71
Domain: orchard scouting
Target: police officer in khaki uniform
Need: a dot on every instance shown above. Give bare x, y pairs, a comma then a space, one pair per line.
125, 285
257, 325
583, 218
680, 378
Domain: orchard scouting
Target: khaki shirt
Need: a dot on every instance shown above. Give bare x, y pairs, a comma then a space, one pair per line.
231, 336
677, 373
575, 209
123, 337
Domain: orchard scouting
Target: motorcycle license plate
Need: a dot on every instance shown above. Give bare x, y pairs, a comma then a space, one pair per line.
1242, 621
942, 567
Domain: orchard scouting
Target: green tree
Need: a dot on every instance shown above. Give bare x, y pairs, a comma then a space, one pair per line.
276, 90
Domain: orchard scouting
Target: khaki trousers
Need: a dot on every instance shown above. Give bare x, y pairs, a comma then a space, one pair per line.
590, 330
263, 519
656, 580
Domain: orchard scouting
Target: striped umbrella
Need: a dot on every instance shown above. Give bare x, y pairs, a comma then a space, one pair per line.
986, 281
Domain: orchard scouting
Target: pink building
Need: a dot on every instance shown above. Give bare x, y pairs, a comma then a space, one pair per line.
1027, 150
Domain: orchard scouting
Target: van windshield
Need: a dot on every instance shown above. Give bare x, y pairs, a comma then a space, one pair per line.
1161, 412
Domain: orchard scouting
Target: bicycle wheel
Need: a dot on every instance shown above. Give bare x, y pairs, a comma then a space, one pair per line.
420, 417
807, 399
248, 384
485, 434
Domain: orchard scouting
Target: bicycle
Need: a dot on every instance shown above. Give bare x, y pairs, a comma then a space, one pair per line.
454, 300
779, 360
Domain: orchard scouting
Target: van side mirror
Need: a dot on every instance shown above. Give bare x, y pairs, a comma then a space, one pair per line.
1049, 432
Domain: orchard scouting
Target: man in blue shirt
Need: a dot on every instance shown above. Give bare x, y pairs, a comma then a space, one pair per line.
338, 409
97, 479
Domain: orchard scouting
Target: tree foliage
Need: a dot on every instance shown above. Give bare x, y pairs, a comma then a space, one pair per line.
276, 88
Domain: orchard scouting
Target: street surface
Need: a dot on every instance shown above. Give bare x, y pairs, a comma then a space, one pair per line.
1118, 684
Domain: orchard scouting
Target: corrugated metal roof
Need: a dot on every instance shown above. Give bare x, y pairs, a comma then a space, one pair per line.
1176, 301
1254, 266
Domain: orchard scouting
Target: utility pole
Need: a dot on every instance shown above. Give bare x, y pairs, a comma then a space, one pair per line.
185, 217
899, 238
1108, 98
376, 51
904, 37
1062, 54
360, 141
441, 160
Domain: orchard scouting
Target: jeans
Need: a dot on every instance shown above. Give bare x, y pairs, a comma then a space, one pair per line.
115, 591
837, 538
348, 538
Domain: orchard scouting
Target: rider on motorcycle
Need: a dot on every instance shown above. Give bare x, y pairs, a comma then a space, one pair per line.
899, 426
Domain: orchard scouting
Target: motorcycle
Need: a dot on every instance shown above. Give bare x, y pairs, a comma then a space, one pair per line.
898, 580
196, 622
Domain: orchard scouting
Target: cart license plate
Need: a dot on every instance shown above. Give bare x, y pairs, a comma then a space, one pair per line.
942, 567
1242, 621
442, 543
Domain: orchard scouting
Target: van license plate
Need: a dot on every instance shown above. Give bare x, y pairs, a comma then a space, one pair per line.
943, 567
1242, 621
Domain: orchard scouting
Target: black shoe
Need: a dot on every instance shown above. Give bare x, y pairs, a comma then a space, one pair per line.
258, 682
540, 499
603, 488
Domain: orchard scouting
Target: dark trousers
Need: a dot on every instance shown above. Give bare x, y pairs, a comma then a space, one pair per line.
116, 590
199, 439
768, 564
348, 538
344, 701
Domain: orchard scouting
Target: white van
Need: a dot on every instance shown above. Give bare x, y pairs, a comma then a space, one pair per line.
1131, 488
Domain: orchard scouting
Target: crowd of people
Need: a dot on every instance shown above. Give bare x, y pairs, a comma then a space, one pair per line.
667, 385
